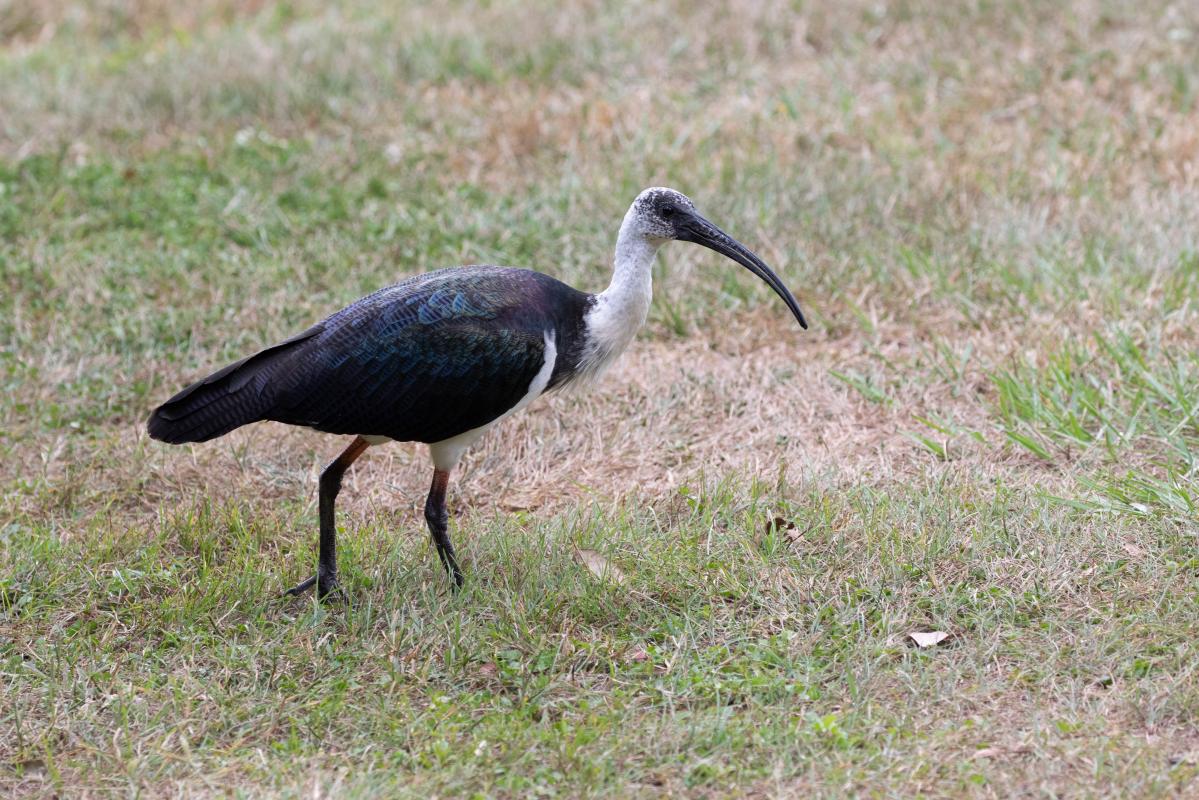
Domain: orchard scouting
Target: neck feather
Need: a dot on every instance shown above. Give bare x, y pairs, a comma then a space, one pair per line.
620, 310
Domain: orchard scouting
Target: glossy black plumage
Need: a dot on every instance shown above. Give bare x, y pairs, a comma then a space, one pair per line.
423, 360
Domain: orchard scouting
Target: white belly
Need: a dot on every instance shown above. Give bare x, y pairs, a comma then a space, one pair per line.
448, 452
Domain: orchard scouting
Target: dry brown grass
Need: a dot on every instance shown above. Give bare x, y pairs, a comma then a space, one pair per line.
756, 401
28, 24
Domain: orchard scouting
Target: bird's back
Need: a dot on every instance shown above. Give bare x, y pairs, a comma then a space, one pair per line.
424, 360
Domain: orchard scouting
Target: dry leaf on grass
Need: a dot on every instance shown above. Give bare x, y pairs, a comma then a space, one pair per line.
988, 752
599, 566
928, 638
998, 752
780, 525
519, 503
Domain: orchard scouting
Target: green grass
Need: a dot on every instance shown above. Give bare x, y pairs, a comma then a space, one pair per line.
721, 659
988, 213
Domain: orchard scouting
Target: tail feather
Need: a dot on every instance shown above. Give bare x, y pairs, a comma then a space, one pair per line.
236, 395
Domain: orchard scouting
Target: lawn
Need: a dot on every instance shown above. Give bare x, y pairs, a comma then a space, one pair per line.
989, 212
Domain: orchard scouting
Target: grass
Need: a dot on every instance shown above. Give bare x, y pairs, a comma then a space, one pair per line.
988, 212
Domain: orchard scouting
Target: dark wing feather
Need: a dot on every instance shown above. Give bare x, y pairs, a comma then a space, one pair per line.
424, 360
226, 399
421, 361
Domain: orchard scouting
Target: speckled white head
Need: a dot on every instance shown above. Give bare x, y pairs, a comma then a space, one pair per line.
656, 212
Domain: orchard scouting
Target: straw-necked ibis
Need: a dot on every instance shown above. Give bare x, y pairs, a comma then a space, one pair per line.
442, 357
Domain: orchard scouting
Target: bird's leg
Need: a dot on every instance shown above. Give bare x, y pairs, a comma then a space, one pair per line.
438, 519
325, 578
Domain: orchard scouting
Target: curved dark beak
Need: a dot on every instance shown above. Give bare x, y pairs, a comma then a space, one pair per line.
697, 229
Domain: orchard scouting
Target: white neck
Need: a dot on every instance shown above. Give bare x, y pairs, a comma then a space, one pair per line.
620, 310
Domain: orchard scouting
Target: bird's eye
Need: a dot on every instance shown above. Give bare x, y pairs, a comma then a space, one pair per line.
668, 212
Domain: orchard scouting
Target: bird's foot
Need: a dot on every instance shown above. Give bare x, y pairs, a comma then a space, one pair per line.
450, 562
328, 590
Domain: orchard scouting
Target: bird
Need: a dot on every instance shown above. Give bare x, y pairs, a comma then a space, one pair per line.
441, 358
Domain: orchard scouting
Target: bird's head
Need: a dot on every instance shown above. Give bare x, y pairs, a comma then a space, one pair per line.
661, 214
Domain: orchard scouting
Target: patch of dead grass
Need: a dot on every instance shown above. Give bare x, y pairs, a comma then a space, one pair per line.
747, 400
27, 24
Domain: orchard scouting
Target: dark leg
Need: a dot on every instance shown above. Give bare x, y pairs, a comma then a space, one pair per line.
325, 578
438, 519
